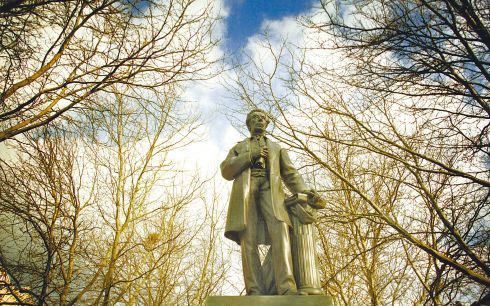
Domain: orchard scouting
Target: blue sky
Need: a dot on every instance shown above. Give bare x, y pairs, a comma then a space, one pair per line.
246, 16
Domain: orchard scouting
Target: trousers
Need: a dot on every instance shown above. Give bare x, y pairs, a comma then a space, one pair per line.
261, 210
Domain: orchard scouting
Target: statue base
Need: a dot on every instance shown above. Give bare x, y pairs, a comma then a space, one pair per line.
270, 300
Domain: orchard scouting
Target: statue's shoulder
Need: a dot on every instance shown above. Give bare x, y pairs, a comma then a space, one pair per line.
242, 142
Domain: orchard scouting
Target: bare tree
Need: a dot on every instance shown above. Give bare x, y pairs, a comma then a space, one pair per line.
109, 222
56, 55
143, 209
41, 225
361, 259
424, 64
207, 272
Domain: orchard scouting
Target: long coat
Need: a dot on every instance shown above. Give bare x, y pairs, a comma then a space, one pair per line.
236, 167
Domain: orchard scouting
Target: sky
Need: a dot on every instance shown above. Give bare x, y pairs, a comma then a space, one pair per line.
246, 17
244, 22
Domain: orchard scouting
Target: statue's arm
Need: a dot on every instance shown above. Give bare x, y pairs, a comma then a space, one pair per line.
291, 177
235, 163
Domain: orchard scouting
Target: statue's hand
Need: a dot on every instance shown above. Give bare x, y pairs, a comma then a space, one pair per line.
259, 157
256, 153
264, 153
311, 193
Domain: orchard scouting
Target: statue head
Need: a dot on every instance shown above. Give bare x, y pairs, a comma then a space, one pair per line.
257, 121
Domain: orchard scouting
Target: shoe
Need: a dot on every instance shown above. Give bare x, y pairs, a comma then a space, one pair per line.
310, 291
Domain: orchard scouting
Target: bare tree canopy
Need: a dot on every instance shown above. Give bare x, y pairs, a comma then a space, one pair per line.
54, 55
93, 210
435, 49
386, 104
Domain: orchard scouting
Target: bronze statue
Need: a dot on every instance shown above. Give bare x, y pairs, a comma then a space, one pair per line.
257, 212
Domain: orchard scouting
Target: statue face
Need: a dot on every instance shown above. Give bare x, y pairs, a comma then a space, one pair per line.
258, 123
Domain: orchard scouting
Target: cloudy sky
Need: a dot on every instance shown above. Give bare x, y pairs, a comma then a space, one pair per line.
246, 17
241, 28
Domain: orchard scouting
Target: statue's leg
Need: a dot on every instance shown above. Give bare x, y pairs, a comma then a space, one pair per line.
252, 270
268, 273
280, 246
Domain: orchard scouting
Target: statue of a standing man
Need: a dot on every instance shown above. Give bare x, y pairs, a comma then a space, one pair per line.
257, 213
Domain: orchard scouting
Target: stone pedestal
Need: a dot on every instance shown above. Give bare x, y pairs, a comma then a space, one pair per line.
303, 246
270, 300
304, 258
